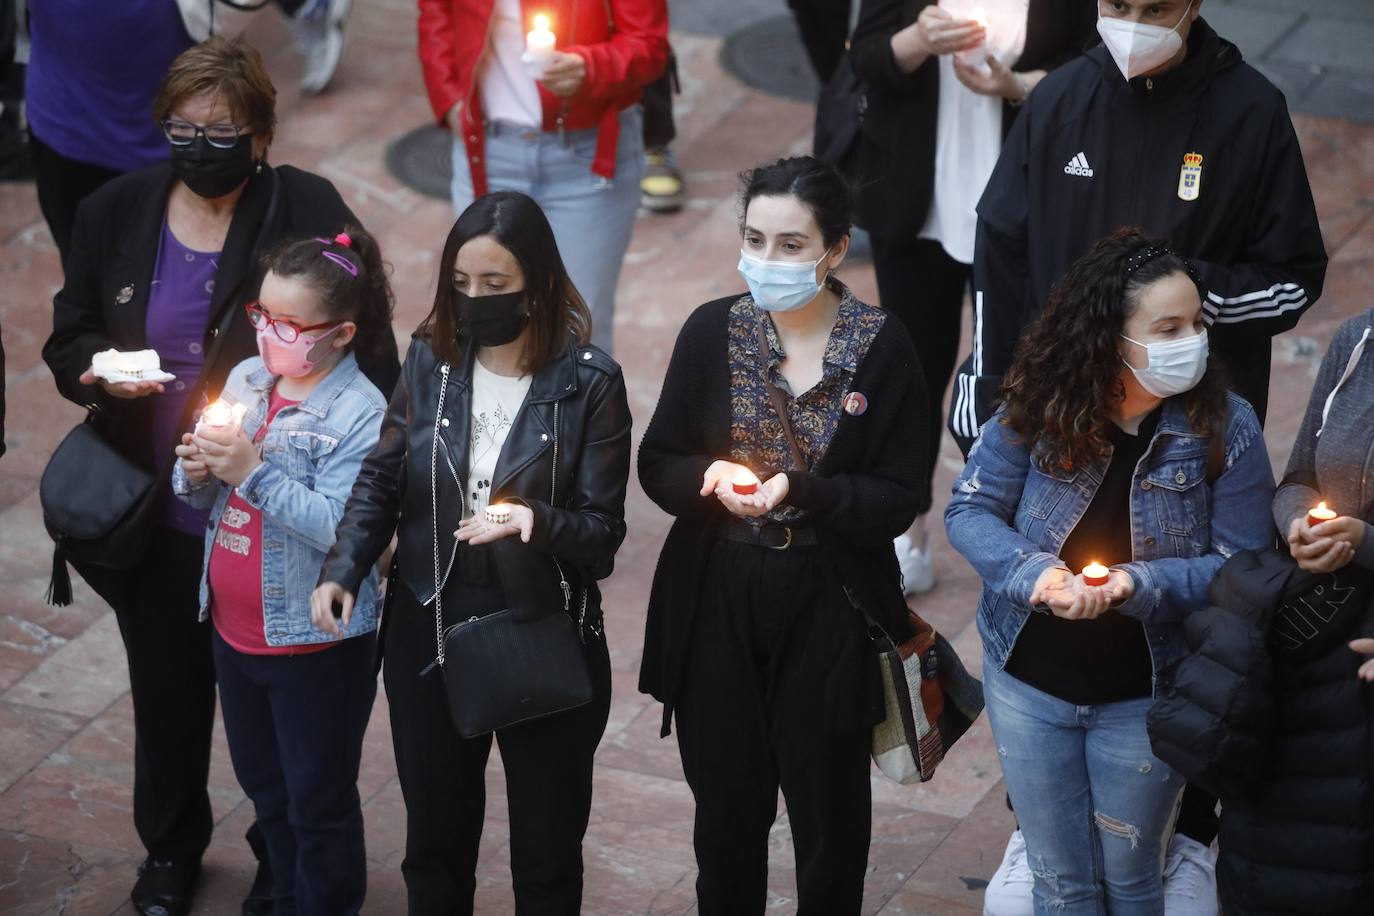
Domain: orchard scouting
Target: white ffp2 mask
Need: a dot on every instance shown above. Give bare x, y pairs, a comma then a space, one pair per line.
1137, 47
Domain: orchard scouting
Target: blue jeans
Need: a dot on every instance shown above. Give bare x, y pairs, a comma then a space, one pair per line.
1093, 802
592, 218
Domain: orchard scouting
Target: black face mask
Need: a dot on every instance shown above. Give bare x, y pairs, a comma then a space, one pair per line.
210, 171
492, 320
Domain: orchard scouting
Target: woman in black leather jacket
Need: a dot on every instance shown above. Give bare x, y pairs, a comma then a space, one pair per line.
524, 397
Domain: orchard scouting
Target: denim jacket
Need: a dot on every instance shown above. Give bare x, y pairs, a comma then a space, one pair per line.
1009, 518
311, 456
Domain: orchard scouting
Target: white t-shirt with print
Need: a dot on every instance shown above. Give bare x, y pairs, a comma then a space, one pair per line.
496, 399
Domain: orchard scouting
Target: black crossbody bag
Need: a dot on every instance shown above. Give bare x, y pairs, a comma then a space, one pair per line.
521, 663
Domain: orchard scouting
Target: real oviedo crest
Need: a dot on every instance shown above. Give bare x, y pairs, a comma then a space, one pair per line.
1190, 177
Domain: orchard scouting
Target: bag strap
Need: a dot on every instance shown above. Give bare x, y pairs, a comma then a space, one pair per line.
776, 396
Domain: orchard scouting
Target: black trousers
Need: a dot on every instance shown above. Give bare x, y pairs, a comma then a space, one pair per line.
295, 727
548, 764
924, 287
62, 184
780, 689
172, 679
659, 128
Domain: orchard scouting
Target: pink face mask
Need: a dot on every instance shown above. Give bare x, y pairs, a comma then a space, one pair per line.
291, 359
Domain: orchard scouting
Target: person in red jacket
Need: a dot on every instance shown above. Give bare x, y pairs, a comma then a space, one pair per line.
564, 127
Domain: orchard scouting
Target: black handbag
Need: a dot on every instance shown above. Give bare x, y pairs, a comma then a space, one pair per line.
840, 109
521, 663
95, 506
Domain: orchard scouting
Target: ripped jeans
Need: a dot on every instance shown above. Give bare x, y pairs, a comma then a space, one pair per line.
1093, 802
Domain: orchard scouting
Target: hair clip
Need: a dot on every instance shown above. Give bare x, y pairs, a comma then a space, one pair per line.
343, 262
343, 239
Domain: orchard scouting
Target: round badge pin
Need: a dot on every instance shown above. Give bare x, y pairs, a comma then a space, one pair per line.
855, 404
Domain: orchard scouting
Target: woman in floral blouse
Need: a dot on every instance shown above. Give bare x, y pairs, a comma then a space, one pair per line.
754, 638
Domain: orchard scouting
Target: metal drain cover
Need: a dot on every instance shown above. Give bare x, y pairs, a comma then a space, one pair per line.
422, 160
769, 56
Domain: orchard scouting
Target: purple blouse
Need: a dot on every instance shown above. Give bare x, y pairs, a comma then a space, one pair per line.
178, 311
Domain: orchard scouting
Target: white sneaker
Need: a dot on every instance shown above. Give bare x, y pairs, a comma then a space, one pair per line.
918, 572
1190, 879
318, 30
1009, 891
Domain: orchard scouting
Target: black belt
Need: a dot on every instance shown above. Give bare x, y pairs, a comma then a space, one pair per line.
774, 537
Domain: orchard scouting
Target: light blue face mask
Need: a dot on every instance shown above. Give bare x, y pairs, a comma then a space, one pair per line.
780, 286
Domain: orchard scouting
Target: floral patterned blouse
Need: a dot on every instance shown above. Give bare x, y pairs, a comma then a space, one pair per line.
757, 440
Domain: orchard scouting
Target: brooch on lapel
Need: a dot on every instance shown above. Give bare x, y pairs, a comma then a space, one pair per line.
855, 404
124, 295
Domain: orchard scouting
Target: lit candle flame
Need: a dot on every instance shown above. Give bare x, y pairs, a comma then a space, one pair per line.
218, 414
980, 16
541, 22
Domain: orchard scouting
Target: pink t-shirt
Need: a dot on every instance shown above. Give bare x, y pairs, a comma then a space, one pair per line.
236, 569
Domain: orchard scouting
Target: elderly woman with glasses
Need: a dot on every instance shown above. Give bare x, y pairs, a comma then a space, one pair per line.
166, 259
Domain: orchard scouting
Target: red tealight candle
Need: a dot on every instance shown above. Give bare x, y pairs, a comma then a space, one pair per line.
1319, 514
745, 483
1095, 574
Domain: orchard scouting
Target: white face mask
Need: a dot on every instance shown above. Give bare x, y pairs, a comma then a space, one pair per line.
1138, 48
1175, 366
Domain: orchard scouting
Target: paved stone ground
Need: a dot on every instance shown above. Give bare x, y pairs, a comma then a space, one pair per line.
67, 843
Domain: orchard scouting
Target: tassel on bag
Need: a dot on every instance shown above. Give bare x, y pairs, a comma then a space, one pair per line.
59, 592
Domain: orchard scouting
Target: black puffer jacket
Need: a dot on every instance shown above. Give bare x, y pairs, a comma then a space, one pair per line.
1304, 842
1216, 719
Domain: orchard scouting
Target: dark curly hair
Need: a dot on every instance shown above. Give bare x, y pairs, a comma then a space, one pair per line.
1065, 376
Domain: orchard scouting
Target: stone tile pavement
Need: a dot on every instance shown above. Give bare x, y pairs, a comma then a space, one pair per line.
67, 843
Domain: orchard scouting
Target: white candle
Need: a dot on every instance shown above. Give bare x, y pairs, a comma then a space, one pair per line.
498, 513
539, 43
1095, 574
219, 415
978, 54
1319, 514
745, 483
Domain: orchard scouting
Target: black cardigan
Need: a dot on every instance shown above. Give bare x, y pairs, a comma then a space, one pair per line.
109, 273
896, 157
862, 495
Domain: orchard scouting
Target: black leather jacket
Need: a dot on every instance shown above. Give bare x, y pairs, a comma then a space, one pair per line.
582, 525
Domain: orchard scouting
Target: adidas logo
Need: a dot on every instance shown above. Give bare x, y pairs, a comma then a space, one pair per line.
1078, 165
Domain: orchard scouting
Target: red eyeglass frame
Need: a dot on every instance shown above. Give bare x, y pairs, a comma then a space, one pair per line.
256, 307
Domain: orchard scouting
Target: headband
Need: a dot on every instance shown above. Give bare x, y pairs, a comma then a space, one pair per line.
1155, 252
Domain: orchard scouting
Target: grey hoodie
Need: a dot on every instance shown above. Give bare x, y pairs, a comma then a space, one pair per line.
1333, 456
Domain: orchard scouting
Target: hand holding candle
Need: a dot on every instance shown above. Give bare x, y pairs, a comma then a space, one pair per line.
487, 526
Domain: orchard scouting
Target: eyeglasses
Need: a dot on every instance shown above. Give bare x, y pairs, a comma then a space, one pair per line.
286, 331
183, 133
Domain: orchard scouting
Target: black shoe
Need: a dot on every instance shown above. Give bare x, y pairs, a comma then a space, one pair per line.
164, 887
259, 899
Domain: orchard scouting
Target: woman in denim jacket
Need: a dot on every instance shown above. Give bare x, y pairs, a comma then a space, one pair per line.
1103, 452
296, 691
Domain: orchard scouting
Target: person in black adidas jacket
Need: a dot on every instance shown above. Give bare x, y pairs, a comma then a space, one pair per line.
1200, 151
